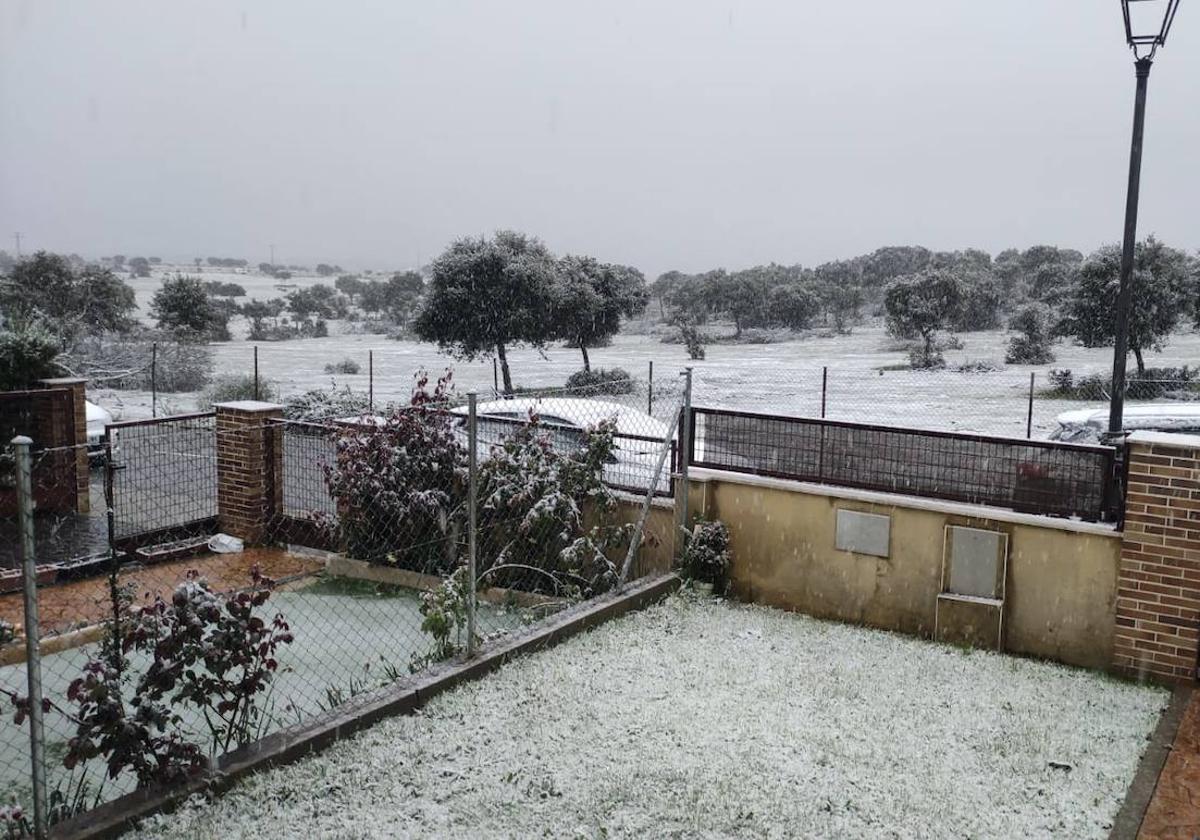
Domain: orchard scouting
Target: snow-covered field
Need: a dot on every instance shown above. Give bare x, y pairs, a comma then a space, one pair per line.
784, 377
703, 719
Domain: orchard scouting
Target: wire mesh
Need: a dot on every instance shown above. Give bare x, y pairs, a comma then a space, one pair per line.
1036, 476
168, 648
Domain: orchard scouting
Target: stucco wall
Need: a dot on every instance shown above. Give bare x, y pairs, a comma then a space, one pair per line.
1061, 583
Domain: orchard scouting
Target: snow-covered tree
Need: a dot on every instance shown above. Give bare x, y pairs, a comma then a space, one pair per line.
591, 297
486, 295
919, 306
1162, 280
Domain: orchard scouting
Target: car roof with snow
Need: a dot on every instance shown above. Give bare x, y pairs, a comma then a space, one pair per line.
578, 411
1146, 416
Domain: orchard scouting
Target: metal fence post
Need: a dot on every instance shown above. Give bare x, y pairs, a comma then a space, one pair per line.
824, 389
1029, 415
256, 371
685, 457
33, 661
472, 480
371, 381
154, 379
650, 389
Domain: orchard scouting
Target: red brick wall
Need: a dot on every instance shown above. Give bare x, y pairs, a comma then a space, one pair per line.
1158, 596
246, 466
73, 433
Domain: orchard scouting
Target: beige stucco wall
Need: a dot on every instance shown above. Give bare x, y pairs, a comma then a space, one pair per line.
1061, 584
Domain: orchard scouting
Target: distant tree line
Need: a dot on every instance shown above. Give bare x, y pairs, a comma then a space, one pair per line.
1044, 293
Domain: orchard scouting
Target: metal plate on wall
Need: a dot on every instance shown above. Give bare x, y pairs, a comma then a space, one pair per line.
975, 561
863, 533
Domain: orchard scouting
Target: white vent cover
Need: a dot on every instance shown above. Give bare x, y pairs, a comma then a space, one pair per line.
863, 533
974, 562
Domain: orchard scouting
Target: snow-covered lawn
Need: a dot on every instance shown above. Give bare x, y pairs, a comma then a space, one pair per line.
700, 718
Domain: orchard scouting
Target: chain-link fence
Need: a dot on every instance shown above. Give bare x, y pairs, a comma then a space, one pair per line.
254, 573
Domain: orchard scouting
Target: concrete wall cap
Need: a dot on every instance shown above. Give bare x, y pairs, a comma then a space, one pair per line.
249, 406
1166, 439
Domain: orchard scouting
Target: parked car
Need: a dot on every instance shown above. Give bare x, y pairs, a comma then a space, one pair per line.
97, 418
639, 436
1088, 425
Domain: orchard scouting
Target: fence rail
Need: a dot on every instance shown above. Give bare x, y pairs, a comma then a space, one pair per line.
1045, 477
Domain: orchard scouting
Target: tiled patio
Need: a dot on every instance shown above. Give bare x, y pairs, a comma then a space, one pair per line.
1174, 812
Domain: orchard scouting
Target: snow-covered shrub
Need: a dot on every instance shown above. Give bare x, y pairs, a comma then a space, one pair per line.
319, 404
8, 632
537, 504
1032, 346
444, 617
706, 556
692, 340
977, 366
925, 357
400, 484
233, 387
590, 383
346, 366
123, 362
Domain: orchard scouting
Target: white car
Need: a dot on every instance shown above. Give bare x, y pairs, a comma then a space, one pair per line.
97, 418
639, 437
1088, 425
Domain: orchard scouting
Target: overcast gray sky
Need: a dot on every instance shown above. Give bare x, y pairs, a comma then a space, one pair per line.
662, 133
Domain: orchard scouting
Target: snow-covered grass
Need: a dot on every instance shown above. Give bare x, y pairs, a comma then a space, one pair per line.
703, 719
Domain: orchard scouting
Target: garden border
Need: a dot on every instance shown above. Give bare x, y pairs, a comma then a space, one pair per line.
115, 817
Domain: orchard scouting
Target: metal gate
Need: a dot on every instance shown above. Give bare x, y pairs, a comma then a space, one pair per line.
162, 479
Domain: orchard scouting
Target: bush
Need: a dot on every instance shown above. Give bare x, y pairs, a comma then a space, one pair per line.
234, 387
590, 383
202, 650
1156, 383
346, 366
692, 340
535, 498
400, 485
706, 557
920, 359
1032, 346
979, 366
323, 405
124, 363
27, 354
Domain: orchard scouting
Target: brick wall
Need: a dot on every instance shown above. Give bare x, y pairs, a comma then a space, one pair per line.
70, 430
1158, 596
247, 462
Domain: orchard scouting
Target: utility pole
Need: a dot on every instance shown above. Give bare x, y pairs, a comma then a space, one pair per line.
17, 236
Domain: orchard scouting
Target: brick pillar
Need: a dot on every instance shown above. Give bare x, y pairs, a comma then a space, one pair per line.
1158, 589
71, 430
247, 463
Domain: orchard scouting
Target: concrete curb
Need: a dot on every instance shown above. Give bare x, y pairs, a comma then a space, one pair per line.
113, 818
1141, 790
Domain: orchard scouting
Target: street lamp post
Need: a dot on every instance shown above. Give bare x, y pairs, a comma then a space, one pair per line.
1147, 23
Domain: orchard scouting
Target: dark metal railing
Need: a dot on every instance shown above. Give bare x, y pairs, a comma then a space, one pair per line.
1044, 477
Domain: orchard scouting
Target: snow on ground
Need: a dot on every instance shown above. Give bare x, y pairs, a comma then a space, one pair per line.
703, 719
